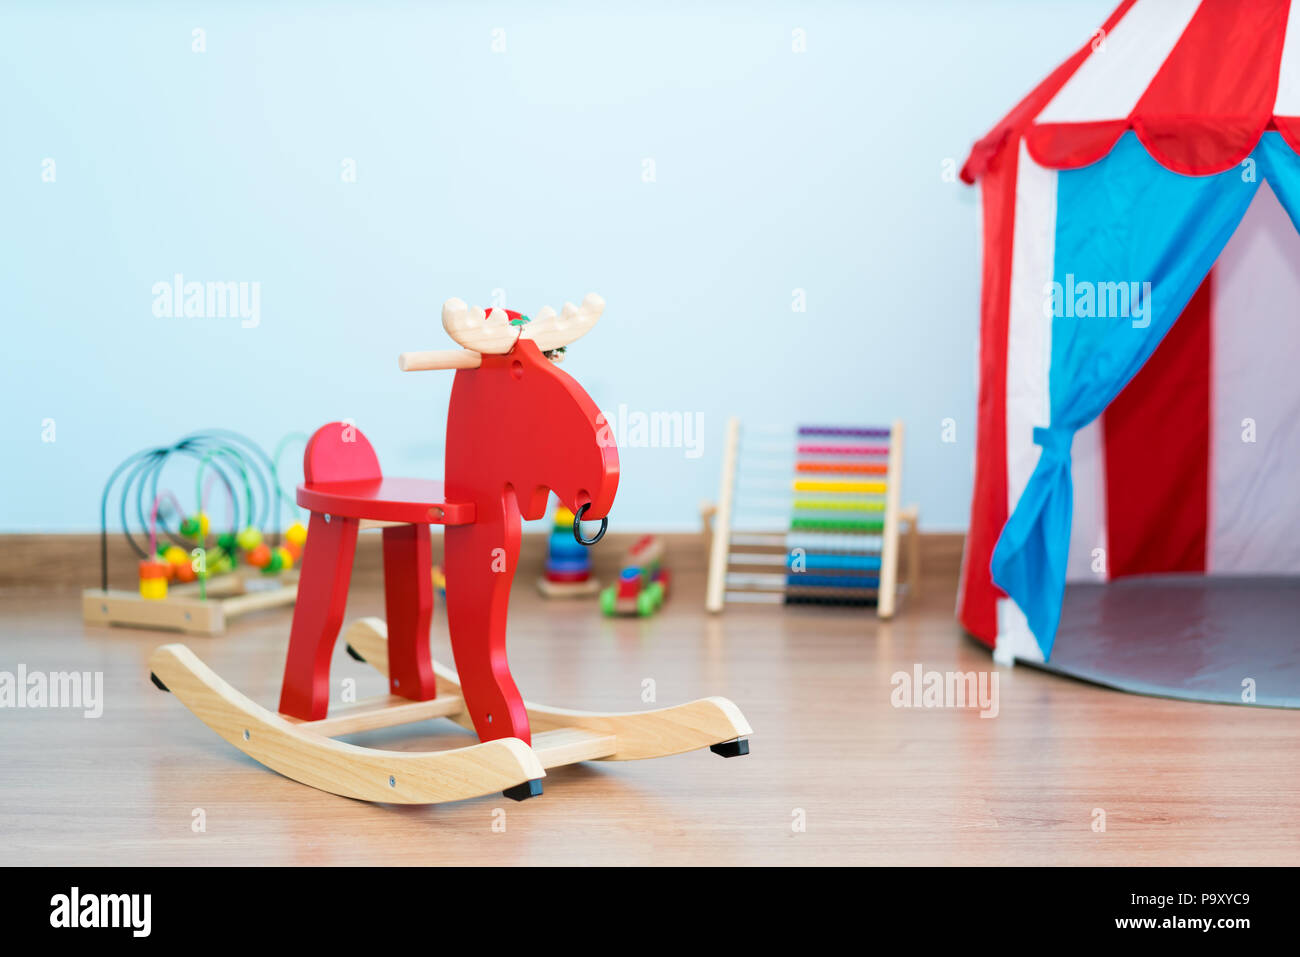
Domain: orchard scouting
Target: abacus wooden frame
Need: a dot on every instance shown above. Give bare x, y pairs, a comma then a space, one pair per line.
895, 517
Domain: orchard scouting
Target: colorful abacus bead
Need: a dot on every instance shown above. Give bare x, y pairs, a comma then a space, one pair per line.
248, 538
153, 579
260, 556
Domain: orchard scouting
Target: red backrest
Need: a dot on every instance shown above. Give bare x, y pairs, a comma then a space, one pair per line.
339, 452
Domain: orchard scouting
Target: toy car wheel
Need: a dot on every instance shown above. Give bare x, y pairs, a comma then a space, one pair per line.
645, 603
607, 599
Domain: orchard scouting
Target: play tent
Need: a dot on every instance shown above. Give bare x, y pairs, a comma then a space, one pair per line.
1139, 394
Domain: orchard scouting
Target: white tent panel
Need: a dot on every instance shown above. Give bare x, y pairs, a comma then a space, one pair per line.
1088, 528
1029, 326
1029, 351
1113, 78
1287, 102
1254, 521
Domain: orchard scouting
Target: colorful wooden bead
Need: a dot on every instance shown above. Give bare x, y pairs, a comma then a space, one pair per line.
260, 556
195, 527
249, 538
220, 561
296, 535
155, 589
153, 579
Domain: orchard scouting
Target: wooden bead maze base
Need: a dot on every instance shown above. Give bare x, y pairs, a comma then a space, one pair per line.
228, 597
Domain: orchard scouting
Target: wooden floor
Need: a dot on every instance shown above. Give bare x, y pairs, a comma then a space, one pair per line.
1179, 783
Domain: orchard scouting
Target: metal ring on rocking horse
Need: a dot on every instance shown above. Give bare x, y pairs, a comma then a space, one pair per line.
577, 527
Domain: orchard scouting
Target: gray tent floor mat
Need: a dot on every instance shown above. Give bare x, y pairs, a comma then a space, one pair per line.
1201, 638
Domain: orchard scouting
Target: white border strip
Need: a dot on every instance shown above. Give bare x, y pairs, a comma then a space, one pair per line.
1287, 102
1029, 350
1109, 83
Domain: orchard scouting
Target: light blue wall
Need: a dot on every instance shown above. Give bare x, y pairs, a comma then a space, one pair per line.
477, 171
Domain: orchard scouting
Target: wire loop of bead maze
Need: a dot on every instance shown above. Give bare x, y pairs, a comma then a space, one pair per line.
815, 520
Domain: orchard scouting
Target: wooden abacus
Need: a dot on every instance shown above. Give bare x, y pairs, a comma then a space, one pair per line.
815, 520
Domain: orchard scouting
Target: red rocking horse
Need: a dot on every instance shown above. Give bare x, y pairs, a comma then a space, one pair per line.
518, 428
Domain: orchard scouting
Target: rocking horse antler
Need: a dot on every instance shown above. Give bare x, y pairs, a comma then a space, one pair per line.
551, 332
493, 333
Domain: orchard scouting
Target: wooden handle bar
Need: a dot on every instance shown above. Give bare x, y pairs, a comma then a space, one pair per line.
439, 359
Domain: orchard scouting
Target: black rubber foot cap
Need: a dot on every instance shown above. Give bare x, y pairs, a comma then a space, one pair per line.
522, 792
353, 653
158, 684
731, 749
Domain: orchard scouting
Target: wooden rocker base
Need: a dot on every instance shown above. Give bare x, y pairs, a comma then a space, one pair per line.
561, 736
307, 752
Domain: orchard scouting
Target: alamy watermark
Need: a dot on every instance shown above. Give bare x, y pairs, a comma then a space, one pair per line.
178, 299
127, 911
1083, 299
946, 689
53, 689
628, 429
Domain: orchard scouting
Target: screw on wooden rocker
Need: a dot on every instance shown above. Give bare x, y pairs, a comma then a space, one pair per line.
158, 684
731, 749
354, 654
522, 792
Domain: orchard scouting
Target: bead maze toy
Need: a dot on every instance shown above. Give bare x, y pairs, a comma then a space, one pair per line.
568, 566
811, 521
188, 580
642, 584
518, 428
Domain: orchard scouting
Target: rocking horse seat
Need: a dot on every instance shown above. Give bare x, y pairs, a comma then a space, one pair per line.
341, 476
410, 500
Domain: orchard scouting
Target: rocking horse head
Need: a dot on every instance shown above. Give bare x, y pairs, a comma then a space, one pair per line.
516, 422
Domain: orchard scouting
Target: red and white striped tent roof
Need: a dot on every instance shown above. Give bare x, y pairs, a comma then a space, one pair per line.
1198, 82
